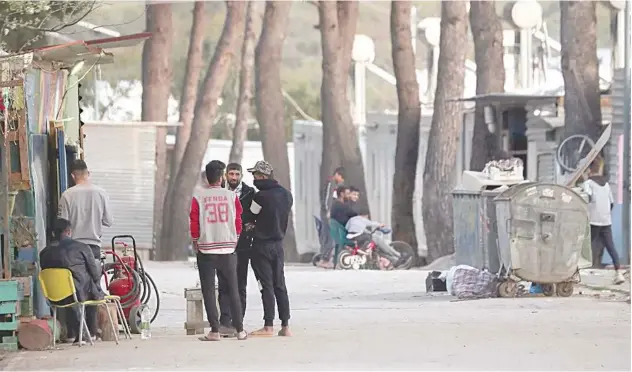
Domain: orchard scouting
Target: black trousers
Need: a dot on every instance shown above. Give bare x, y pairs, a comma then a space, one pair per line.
225, 266
243, 259
72, 317
268, 265
601, 236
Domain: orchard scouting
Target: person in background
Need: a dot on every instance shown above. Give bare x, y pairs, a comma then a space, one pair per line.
215, 225
600, 205
243, 250
272, 206
87, 208
360, 227
341, 212
68, 253
338, 179
354, 194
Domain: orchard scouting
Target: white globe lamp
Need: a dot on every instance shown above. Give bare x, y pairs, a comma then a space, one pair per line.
363, 50
431, 28
526, 14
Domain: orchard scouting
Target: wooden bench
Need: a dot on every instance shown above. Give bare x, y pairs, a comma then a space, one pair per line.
195, 322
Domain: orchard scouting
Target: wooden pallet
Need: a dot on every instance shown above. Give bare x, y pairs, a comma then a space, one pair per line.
11, 293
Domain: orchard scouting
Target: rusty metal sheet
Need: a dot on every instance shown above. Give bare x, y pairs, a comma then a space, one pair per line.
121, 41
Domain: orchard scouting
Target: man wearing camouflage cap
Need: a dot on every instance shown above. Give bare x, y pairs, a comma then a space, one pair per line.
272, 206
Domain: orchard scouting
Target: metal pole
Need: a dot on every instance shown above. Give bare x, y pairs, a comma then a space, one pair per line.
627, 123
6, 213
96, 93
619, 46
357, 93
413, 28
526, 64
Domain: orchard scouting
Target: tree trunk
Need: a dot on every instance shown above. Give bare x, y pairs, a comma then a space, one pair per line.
580, 68
338, 22
408, 118
240, 131
192, 73
157, 73
204, 115
445, 131
269, 98
187, 105
490, 78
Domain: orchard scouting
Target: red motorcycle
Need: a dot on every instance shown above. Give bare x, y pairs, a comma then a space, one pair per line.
365, 254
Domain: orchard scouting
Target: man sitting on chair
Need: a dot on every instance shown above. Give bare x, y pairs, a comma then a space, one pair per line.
66, 253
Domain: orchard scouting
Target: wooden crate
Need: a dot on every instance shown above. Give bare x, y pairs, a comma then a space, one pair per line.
11, 293
195, 322
11, 290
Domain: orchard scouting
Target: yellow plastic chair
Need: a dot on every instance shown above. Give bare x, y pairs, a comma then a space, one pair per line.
57, 284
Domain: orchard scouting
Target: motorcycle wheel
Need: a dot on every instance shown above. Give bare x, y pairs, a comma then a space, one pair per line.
316, 259
403, 247
346, 259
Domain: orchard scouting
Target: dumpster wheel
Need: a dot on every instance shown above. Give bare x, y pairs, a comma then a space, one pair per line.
508, 288
564, 289
548, 289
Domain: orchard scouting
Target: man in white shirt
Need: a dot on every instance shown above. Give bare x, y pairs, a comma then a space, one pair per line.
599, 210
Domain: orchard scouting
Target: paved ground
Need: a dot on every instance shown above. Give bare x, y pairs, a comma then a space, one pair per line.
372, 320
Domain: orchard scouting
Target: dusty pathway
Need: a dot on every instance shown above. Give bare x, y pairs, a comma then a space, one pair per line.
372, 320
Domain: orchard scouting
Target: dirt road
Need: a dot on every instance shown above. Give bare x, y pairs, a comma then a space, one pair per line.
371, 320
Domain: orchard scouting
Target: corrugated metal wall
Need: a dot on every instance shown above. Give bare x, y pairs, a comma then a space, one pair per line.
121, 159
618, 123
308, 143
547, 168
380, 169
381, 140
614, 157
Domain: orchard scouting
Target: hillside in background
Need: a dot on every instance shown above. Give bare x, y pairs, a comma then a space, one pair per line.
302, 63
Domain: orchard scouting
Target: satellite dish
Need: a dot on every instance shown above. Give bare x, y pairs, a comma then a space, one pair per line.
526, 14
616, 4
363, 49
431, 27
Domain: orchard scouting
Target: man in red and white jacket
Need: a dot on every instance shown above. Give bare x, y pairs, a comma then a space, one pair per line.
215, 227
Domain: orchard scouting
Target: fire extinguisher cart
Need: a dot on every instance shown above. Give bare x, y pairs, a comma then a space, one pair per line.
125, 276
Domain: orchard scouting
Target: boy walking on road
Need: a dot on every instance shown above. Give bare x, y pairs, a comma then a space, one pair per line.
272, 206
599, 210
215, 227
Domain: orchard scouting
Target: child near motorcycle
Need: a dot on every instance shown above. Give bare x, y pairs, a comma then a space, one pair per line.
361, 228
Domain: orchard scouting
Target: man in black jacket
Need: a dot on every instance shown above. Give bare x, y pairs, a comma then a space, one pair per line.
243, 250
272, 206
66, 253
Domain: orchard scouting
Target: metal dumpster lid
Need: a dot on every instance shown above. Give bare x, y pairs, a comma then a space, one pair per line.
517, 189
514, 190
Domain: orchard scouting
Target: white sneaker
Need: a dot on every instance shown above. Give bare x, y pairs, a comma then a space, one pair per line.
618, 278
